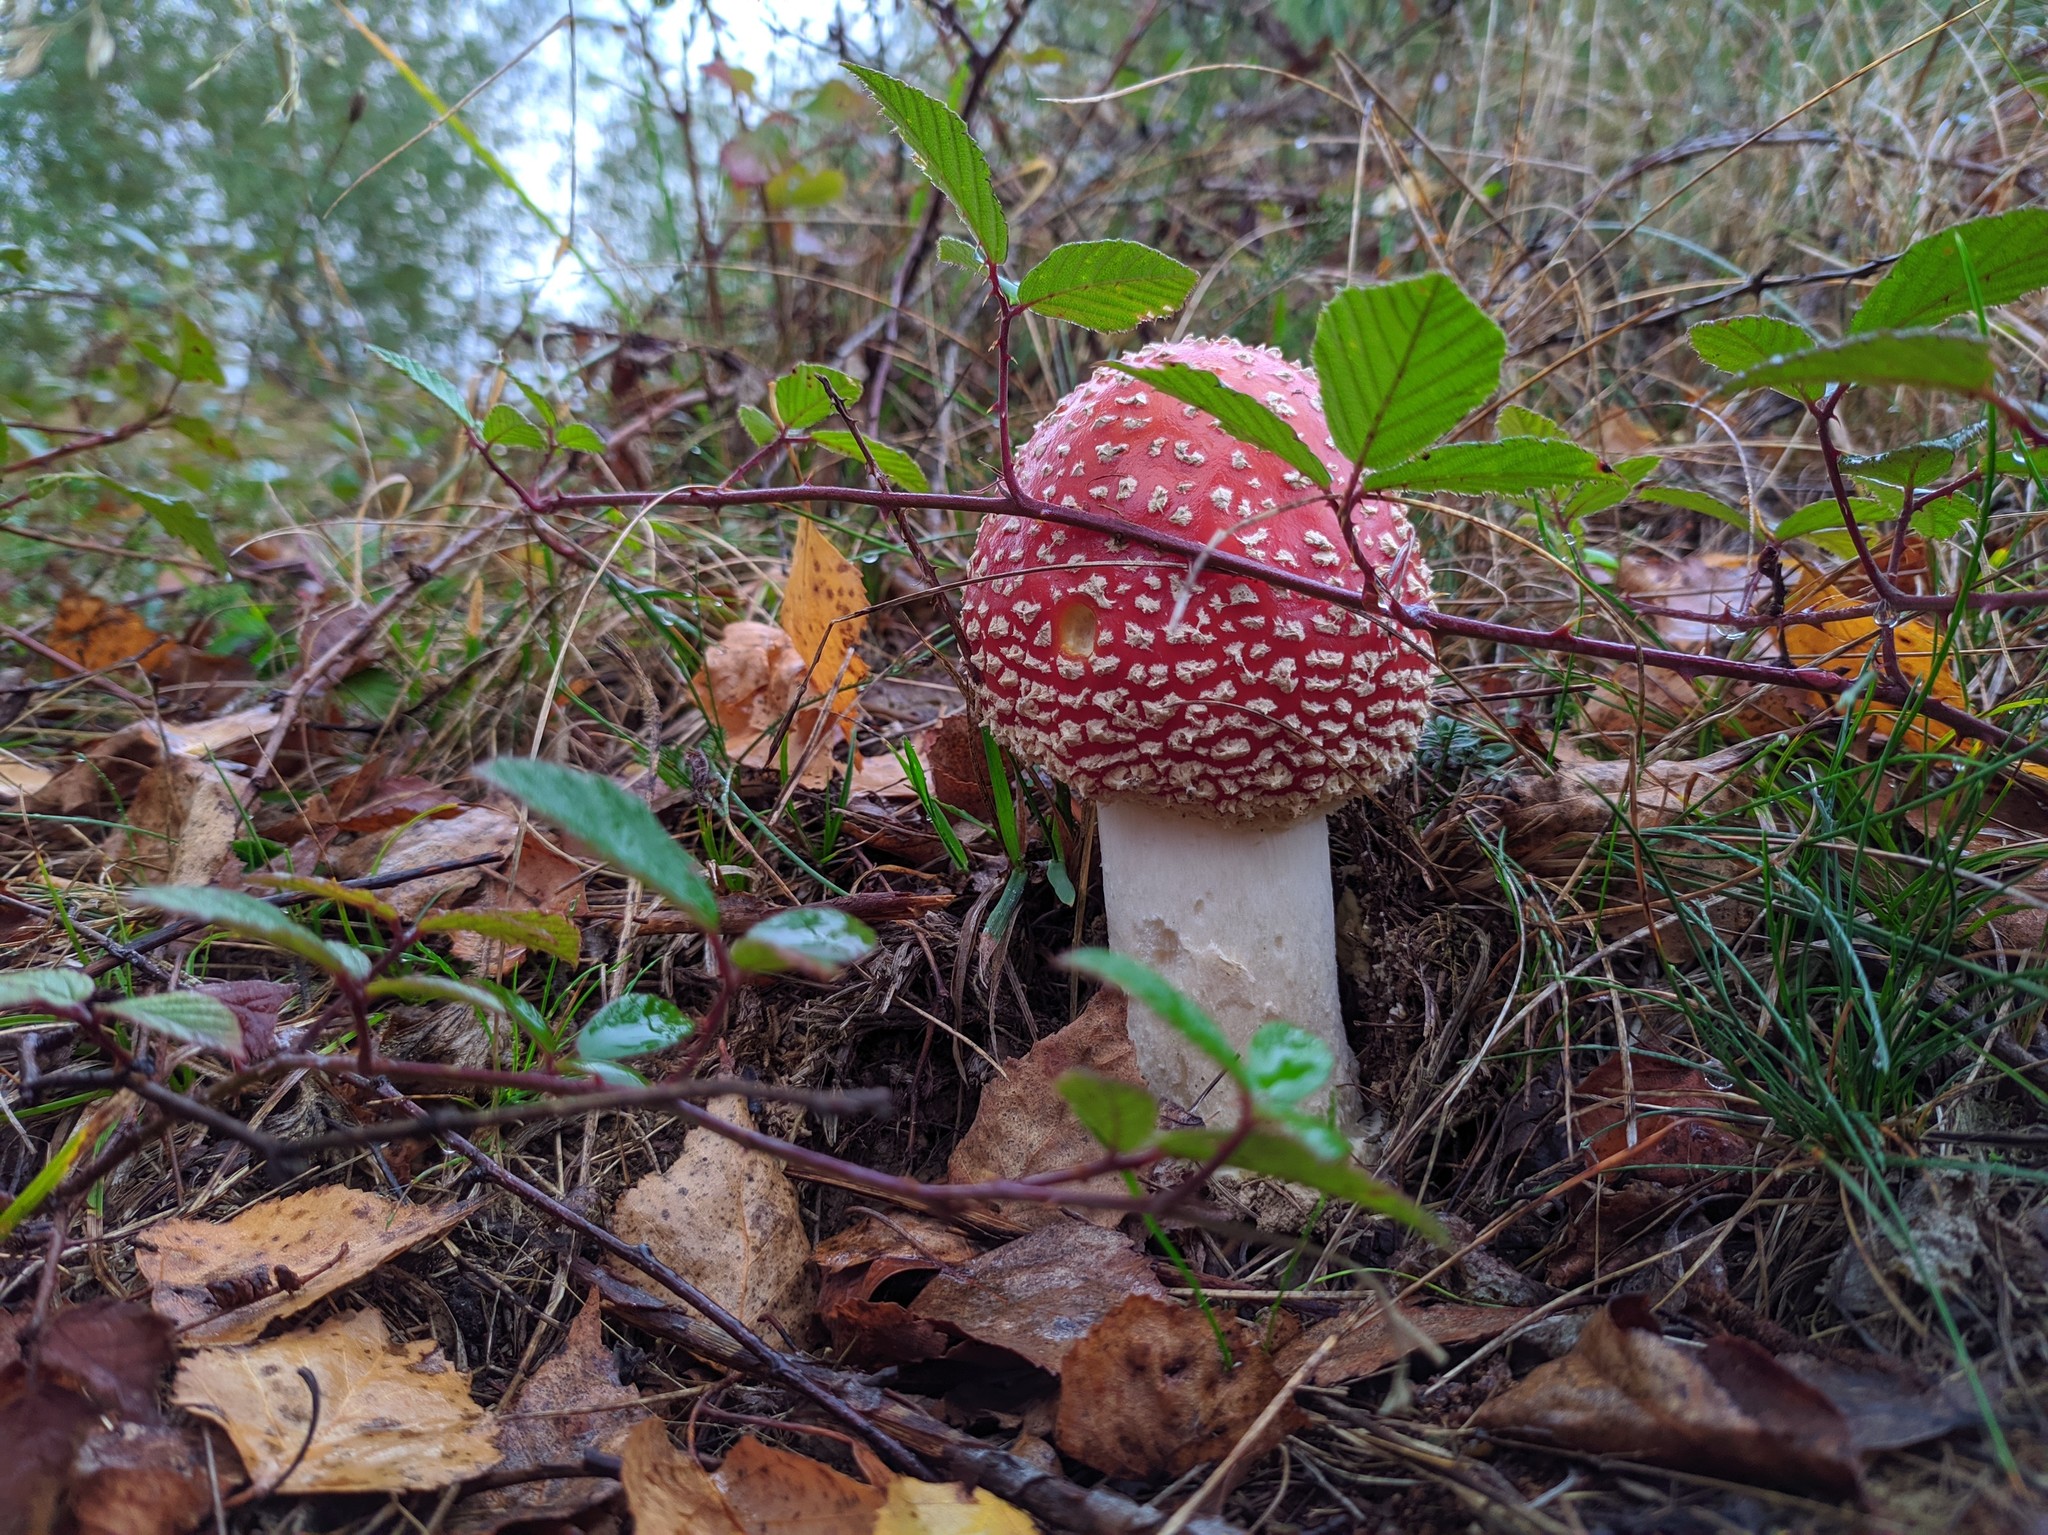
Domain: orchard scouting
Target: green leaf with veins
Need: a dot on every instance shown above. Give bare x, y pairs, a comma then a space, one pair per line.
1246, 419
947, 154
578, 438
818, 941
188, 1015
1121, 1115
1401, 364
547, 931
504, 427
1920, 465
44, 988
1928, 283
434, 988
1519, 421
800, 399
207, 437
955, 251
1106, 285
251, 918
1747, 341
1928, 359
432, 382
1159, 996
182, 520
1695, 501
1287, 1064
614, 825
1281, 1154
1507, 467
896, 465
541, 407
1820, 522
760, 426
632, 1026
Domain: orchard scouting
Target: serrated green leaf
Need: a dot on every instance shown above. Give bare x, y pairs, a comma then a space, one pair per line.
1820, 522
1121, 1115
1927, 284
1926, 359
1287, 1064
1106, 285
1519, 421
44, 988
188, 1015
435, 988
1695, 501
547, 931
760, 426
1596, 495
1403, 363
614, 825
431, 381
800, 396
1246, 419
190, 358
205, 436
331, 890
576, 437
899, 466
251, 918
947, 154
182, 520
1944, 517
631, 1026
1919, 465
504, 427
540, 403
955, 251
1636, 470
1160, 997
1510, 466
1748, 340
818, 941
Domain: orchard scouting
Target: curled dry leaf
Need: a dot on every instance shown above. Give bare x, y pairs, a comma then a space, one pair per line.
1649, 701
182, 824
726, 1219
137, 1479
1024, 1126
1691, 1147
1368, 1347
1727, 1410
759, 1490
219, 1282
1040, 1295
752, 683
477, 831
1147, 1393
393, 1417
114, 766
572, 1403
858, 1261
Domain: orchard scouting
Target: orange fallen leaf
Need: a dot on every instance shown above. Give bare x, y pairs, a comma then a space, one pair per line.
393, 1417
759, 1490
98, 635
820, 602
1622, 1103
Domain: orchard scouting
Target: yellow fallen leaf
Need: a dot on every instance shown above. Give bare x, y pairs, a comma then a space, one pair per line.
668, 1492
946, 1508
823, 593
391, 1417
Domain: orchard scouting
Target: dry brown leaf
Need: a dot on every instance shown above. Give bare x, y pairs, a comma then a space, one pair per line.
572, 1403
1024, 1126
858, 1261
477, 831
1697, 583
752, 683
779, 1492
218, 1282
726, 1218
1691, 1149
99, 635
1727, 1410
1373, 1345
1039, 1295
668, 1492
946, 1508
393, 1417
956, 766
1147, 1394
137, 1479
183, 823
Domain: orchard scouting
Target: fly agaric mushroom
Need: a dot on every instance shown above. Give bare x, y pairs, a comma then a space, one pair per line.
1214, 720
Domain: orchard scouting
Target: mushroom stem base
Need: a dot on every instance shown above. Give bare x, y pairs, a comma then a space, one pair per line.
1238, 917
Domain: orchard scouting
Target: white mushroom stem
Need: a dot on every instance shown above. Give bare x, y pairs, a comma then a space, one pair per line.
1240, 919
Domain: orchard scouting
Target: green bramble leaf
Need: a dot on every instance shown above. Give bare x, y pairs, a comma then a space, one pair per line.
1246, 419
205, 436
818, 941
191, 357
181, 519
188, 1015
760, 426
1820, 522
1928, 359
1747, 341
250, 918
1695, 501
947, 154
800, 397
613, 824
504, 427
578, 438
1507, 467
435, 988
631, 1026
1106, 285
1287, 1064
1160, 997
900, 468
432, 382
1403, 363
1519, 421
955, 251
541, 406
1121, 1115
546, 931
1920, 464
44, 988
2008, 253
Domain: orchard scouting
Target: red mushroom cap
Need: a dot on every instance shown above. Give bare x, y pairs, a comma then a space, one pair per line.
1259, 703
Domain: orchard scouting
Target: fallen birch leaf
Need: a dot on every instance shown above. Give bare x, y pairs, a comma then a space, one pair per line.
1040, 1295
393, 1417
1727, 1410
823, 611
1147, 1394
668, 1492
946, 1508
779, 1492
218, 1282
726, 1219
1376, 1344
1024, 1126
572, 1403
